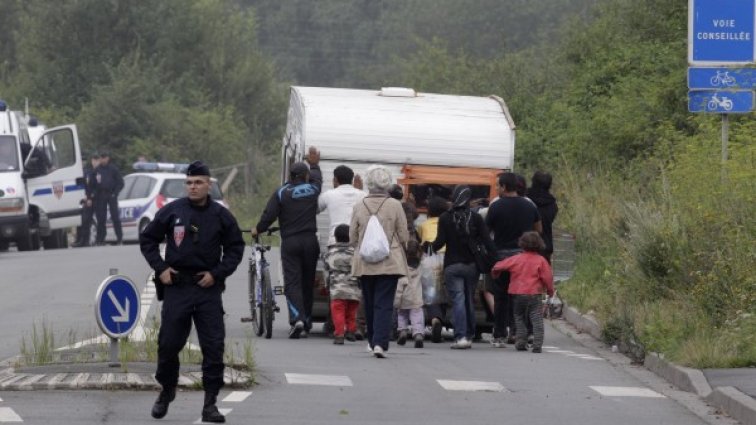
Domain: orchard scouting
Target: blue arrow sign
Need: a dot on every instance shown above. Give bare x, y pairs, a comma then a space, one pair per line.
117, 306
721, 78
721, 32
723, 102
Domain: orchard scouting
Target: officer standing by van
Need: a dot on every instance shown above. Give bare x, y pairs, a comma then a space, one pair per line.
108, 183
83, 234
203, 247
295, 205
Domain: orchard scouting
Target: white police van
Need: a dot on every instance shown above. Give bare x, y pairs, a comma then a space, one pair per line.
148, 190
41, 182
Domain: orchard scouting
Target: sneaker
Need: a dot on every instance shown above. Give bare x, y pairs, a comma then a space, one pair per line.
521, 347
419, 340
378, 352
530, 339
338, 340
461, 344
296, 331
436, 327
498, 343
358, 336
511, 340
536, 350
369, 349
349, 336
305, 334
402, 339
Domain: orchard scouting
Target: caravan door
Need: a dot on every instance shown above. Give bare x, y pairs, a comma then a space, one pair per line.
55, 178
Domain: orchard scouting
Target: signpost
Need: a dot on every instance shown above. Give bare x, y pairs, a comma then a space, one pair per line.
721, 36
117, 310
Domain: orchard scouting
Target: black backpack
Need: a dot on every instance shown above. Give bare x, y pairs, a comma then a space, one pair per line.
469, 234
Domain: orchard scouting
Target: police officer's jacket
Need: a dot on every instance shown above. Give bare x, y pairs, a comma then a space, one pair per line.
198, 238
108, 180
295, 206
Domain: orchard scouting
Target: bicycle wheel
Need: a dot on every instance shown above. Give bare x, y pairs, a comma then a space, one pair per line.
257, 324
266, 311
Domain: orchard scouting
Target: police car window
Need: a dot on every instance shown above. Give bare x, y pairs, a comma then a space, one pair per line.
128, 183
8, 154
142, 187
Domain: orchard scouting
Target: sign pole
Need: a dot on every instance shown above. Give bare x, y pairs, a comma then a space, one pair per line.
725, 131
114, 353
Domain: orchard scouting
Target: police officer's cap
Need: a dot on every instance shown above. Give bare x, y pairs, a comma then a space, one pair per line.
197, 168
299, 169
95, 155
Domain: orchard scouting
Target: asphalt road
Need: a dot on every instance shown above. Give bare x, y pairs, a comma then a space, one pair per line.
311, 381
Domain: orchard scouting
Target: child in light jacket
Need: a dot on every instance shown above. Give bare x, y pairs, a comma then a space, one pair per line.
343, 287
530, 276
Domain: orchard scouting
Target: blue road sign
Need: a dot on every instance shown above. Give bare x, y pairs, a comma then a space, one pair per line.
721, 78
723, 102
721, 33
117, 306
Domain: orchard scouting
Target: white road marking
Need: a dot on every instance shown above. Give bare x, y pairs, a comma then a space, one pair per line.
471, 386
560, 351
223, 412
237, 396
626, 392
330, 380
584, 356
549, 347
1, 399
8, 415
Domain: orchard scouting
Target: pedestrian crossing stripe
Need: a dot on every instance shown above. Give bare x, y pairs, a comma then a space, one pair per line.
626, 392
450, 385
223, 412
584, 356
8, 415
237, 396
328, 380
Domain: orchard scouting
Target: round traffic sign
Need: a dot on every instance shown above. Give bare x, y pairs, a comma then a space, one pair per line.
117, 306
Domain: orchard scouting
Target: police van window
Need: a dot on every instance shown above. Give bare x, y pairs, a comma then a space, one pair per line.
142, 187
60, 149
8, 154
128, 183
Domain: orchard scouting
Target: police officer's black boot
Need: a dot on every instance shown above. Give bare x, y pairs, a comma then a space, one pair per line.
160, 408
210, 413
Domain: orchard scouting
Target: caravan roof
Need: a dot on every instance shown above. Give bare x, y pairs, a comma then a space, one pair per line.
429, 129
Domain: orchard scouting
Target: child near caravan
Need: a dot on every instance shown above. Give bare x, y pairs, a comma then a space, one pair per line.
343, 287
530, 274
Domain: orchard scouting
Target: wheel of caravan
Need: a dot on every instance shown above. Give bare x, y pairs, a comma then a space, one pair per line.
267, 305
28, 241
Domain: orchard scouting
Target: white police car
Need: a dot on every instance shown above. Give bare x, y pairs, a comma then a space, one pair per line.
145, 192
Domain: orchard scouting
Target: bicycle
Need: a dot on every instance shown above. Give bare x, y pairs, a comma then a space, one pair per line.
262, 300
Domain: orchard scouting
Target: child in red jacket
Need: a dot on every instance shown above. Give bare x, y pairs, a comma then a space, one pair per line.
530, 274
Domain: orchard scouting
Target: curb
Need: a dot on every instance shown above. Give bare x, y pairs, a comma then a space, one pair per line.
10, 381
738, 405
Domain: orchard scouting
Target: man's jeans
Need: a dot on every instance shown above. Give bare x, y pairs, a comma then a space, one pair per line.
461, 280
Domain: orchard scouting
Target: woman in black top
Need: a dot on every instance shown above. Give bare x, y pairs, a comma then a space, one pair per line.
456, 228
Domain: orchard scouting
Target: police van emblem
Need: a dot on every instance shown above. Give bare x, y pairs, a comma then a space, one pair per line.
178, 234
58, 189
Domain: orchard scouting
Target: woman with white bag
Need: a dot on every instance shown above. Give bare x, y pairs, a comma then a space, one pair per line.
378, 232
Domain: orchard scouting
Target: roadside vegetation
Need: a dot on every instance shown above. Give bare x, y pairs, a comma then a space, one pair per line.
665, 232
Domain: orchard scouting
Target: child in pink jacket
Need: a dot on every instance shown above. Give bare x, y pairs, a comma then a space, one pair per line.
530, 275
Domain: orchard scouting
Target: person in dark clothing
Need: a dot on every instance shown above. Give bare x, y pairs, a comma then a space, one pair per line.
107, 184
203, 247
83, 234
547, 208
455, 230
509, 217
295, 205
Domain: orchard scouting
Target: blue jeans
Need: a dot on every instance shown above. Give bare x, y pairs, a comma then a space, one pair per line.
378, 293
461, 280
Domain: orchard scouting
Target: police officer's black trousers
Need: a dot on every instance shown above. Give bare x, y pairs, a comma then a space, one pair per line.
184, 302
83, 235
102, 203
299, 258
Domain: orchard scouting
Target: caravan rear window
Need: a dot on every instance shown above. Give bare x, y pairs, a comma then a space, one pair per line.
8, 154
424, 182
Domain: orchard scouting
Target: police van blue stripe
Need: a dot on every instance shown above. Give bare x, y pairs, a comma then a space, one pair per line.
48, 190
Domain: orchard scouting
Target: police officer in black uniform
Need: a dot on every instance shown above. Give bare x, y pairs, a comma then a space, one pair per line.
108, 183
203, 247
87, 204
295, 205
